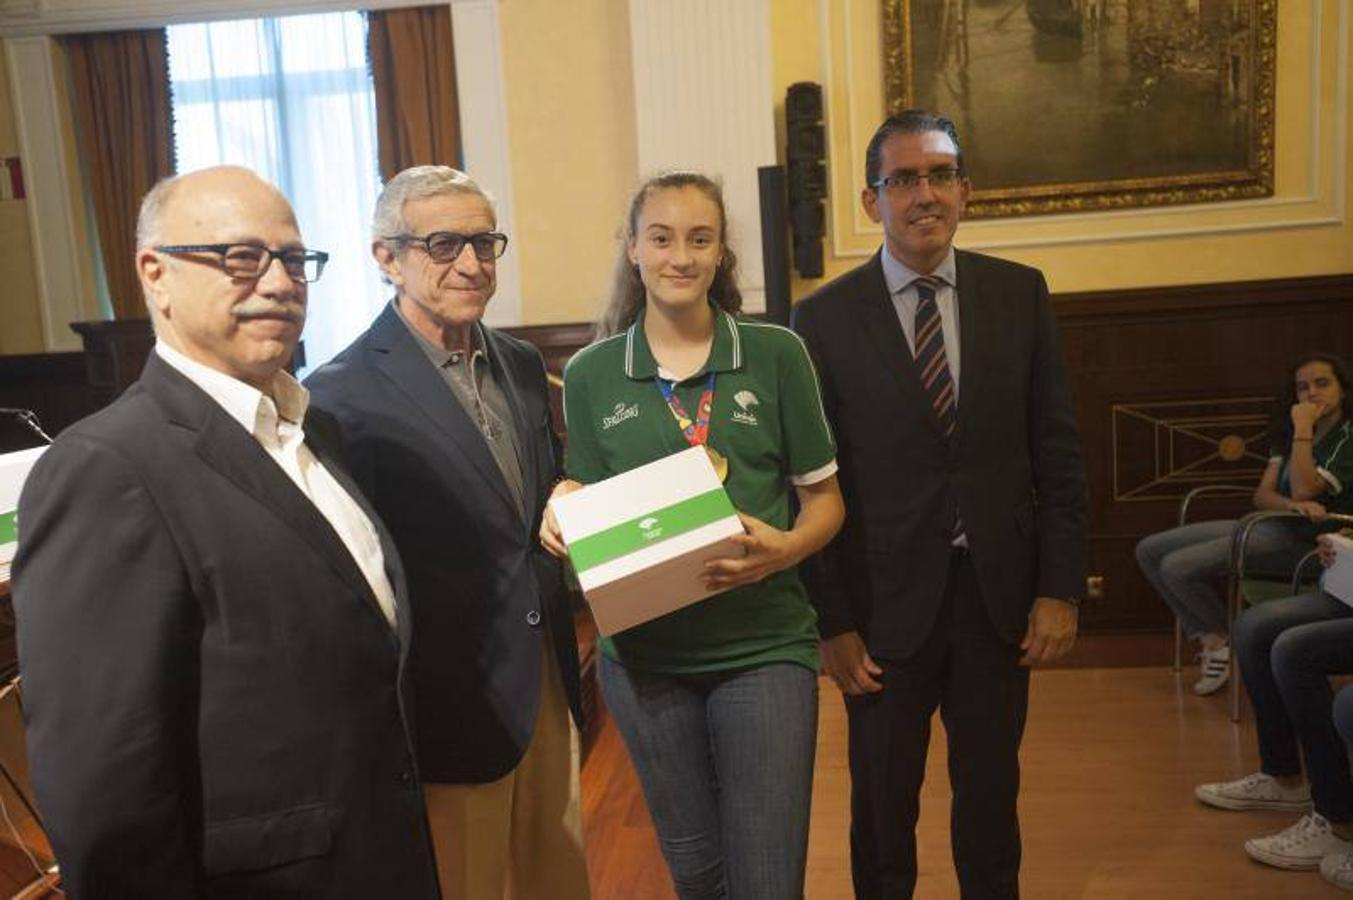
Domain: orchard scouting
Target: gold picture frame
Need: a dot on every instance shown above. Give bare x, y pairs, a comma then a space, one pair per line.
1080, 105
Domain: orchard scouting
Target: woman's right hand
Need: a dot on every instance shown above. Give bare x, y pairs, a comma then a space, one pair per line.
550, 537
1304, 417
1311, 509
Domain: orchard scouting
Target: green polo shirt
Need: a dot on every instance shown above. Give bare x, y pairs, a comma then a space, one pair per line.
768, 420
1334, 461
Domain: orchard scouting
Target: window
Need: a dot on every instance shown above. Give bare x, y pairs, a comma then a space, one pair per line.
291, 98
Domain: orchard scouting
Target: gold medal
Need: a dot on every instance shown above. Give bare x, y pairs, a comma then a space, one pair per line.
719, 461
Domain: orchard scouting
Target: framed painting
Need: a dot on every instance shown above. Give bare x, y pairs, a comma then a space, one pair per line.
1076, 105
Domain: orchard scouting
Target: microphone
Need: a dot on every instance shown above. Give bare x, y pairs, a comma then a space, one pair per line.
29, 418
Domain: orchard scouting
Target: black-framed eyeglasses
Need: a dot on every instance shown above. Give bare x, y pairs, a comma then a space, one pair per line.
252, 260
446, 246
939, 180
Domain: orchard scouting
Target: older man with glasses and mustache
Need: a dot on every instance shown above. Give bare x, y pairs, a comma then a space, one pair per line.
212, 622
447, 424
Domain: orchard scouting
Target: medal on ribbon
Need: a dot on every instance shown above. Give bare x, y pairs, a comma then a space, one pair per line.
695, 430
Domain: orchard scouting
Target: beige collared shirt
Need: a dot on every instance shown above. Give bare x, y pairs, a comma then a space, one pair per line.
276, 425
472, 382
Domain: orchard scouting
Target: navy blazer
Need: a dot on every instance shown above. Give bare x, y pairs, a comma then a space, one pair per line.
485, 593
1013, 465
215, 702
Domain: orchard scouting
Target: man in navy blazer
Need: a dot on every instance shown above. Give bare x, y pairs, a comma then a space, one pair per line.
212, 622
447, 426
963, 554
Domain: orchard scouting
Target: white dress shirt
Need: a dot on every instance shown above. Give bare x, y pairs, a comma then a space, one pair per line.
901, 283
277, 428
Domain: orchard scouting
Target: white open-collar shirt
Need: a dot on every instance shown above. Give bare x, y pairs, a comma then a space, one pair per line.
276, 424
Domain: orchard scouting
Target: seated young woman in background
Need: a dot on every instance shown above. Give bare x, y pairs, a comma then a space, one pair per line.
1310, 471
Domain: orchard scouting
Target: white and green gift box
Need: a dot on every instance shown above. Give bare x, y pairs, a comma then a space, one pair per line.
639, 541
13, 470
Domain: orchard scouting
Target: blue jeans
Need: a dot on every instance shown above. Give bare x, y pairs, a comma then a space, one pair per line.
1343, 715
1185, 564
726, 764
1287, 650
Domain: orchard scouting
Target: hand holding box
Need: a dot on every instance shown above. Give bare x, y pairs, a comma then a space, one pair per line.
639, 541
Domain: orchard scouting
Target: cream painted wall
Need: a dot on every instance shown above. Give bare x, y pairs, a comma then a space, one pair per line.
835, 42
20, 320
571, 134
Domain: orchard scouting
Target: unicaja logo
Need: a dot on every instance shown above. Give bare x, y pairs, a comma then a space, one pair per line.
747, 403
650, 527
619, 414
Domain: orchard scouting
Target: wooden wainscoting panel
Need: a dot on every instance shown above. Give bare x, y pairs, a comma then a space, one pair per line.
52, 385
557, 343
1172, 389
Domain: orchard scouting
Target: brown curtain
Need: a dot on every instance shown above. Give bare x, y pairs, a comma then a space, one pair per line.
120, 94
414, 73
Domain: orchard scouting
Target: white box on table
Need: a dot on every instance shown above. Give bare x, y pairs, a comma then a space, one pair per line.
14, 469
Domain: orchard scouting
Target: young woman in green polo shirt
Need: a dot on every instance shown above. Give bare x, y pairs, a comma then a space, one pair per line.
717, 701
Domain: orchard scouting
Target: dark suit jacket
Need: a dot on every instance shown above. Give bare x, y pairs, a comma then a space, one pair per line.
213, 698
484, 591
1013, 465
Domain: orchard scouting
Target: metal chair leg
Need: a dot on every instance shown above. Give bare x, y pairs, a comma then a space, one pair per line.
1232, 613
1178, 644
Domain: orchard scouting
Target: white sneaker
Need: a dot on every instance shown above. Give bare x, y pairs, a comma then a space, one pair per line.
1214, 668
1337, 869
1257, 791
1299, 846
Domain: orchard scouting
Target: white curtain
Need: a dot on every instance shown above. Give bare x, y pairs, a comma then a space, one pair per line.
291, 98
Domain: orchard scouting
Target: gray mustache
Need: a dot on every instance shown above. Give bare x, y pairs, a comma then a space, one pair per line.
255, 307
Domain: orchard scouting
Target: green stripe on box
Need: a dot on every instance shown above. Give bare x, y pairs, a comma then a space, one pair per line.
9, 527
639, 532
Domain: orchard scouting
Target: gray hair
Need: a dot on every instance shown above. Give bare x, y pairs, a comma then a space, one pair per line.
419, 183
149, 219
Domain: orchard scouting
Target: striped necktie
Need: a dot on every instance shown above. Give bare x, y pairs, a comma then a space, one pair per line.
931, 362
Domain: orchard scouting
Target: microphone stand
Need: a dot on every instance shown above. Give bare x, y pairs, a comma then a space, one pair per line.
29, 418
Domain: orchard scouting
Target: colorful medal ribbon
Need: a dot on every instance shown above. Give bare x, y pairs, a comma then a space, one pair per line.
695, 431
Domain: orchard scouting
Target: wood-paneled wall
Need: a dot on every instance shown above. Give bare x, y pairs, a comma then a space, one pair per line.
53, 385
1172, 387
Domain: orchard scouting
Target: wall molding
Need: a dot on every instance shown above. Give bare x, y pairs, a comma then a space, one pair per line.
28, 26
59, 267
1307, 293
1320, 200
482, 87
703, 100
23, 18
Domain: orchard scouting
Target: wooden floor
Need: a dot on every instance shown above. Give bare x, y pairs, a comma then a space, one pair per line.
1110, 759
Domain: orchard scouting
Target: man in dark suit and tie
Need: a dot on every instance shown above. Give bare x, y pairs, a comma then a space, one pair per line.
963, 554
447, 426
211, 620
